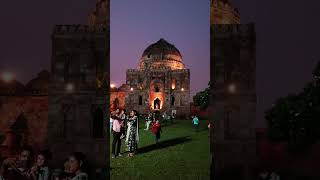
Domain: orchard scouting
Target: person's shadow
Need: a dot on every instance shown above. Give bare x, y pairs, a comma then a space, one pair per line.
164, 144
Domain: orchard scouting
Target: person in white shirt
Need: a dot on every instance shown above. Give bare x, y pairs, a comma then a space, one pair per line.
116, 131
148, 121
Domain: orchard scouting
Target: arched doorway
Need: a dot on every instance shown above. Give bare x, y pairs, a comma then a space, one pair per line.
97, 128
156, 103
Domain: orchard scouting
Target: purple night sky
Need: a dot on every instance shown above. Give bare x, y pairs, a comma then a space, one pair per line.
287, 46
26, 30
137, 24
287, 38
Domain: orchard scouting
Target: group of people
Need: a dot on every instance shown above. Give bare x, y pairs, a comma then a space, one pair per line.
26, 166
123, 126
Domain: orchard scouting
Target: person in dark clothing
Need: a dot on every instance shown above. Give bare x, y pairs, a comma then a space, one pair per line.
116, 131
132, 138
19, 168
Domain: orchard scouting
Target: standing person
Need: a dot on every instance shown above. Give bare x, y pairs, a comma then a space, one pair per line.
116, 131
156, 129
76, 165
113, 115
164, 117
40, 171
132, 133
195, 122
148, 121
123, 118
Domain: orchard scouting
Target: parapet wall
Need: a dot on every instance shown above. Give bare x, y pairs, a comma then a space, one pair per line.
223, 31
79, 29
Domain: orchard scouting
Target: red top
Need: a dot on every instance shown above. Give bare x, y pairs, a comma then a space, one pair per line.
156, 128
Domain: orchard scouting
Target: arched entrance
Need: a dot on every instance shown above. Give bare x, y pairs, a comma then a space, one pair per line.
156, 103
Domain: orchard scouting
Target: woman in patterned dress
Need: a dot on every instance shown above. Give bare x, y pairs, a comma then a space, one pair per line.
132, 138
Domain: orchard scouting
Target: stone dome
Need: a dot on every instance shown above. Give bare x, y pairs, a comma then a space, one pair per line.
39, 85
161, 47
161, 55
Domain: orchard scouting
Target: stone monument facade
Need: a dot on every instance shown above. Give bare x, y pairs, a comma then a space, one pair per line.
24, 114
161, 83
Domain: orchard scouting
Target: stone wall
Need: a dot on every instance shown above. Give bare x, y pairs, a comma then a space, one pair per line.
233, 68
222, 12
120, 95
143, 83
34, 109
79, 93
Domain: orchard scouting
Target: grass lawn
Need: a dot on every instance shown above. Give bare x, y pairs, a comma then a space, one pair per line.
181, 154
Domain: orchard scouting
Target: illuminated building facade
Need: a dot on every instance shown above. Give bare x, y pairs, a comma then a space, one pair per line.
160, 83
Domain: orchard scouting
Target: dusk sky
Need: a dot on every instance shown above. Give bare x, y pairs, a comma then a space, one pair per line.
287, 38
287, 46
25, 33
137, 24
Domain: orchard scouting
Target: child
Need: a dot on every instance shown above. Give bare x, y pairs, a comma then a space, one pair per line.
156, 129
195, 122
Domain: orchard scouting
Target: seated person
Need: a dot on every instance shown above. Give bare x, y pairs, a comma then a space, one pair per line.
18, 168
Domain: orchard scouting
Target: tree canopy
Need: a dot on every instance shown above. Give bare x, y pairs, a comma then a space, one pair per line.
295, 118
202, 98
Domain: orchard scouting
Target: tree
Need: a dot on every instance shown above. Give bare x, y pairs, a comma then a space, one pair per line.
295, 118
202, 98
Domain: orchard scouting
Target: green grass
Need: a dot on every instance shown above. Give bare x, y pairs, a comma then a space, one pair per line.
181, 154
